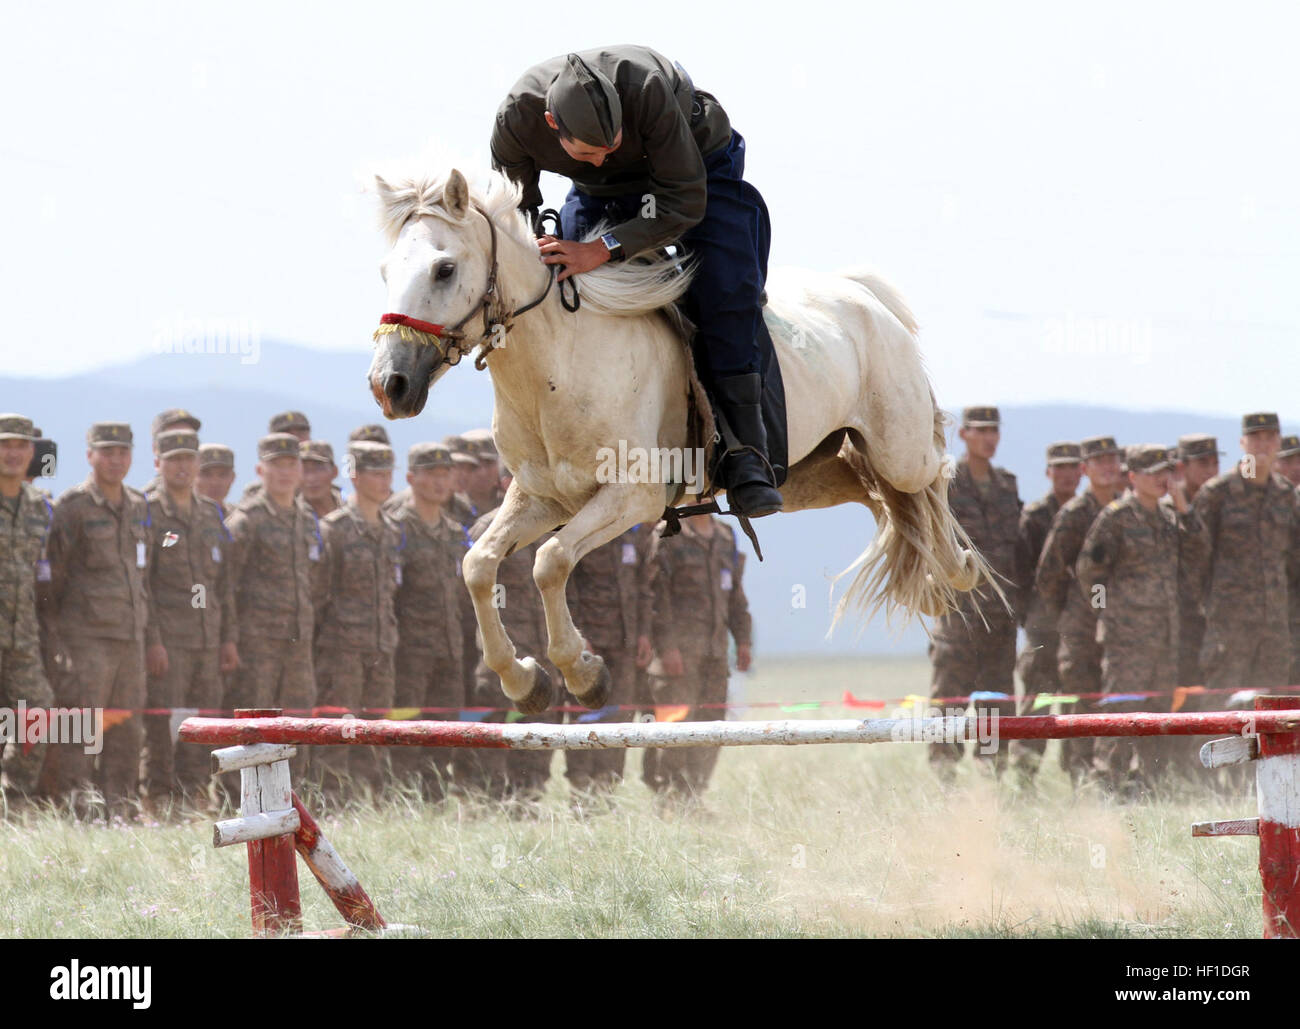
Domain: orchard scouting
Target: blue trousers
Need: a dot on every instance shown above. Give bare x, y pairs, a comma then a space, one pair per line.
729, 246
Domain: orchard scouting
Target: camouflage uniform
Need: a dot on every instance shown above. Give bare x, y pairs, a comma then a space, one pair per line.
1078, 653
1037, 662
98, 557
1253, 548
522, 773
25, 524
356, 626
1191, 612
1291, 448
973, 649
609, 597
432, 608
274, 555
1131, 557
698, 598
188, 551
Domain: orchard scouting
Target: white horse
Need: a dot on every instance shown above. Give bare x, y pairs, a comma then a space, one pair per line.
863, 424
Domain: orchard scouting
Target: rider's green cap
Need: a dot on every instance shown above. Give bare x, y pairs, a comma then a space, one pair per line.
586, 103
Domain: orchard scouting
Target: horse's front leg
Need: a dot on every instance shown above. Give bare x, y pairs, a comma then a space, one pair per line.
613, 510
520, 521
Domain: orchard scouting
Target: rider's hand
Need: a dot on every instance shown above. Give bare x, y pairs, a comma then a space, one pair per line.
576, 257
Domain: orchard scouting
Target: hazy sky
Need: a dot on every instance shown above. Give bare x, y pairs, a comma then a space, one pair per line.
1096, 205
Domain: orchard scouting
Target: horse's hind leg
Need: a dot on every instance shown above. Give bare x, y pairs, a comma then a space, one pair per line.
613, 510
520, 521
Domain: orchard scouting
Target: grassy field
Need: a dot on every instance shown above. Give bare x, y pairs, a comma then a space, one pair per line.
803, 841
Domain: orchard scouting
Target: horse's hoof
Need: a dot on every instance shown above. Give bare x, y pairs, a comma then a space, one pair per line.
598, 696
540, 697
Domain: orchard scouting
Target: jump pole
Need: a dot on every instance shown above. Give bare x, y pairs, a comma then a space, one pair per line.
1270, 735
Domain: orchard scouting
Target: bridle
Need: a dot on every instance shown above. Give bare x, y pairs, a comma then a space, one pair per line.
450, 343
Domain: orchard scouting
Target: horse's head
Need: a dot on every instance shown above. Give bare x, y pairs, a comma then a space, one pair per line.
437, 275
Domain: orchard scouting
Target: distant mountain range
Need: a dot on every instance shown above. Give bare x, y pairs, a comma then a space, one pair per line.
235, 399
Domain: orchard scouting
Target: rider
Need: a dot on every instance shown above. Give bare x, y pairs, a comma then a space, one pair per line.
659, 159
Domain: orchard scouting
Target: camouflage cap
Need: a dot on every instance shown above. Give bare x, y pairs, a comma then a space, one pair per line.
177, 441
585, 102
980, 418
1064, 453
277, 444
1261, 421
460, 450
480, 443
17, 426
216, 455
1098, 446
370, 433
365, 456
316, 450
290, 421
1197, 444
109, 434
174, 416
428, 455
1290, 446
1150, 457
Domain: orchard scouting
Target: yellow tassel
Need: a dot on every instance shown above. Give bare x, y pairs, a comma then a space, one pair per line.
408, 335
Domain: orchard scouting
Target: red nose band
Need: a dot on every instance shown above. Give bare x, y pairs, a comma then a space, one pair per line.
414, 323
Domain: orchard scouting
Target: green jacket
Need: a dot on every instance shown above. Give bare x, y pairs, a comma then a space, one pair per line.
668, 129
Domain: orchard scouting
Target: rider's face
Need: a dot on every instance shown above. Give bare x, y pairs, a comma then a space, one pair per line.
585, 152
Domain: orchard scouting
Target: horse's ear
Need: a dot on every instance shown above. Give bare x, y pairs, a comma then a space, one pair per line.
383, 189
455, 195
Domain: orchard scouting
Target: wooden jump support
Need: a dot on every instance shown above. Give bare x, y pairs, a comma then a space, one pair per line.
276, 823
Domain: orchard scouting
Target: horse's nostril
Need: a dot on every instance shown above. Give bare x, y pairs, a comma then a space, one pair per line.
395, 386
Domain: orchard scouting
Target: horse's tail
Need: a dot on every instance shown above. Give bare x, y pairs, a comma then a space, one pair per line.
883, 291
921, 557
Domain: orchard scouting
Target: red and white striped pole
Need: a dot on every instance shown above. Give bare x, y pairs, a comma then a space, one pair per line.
1277, 786
265, 789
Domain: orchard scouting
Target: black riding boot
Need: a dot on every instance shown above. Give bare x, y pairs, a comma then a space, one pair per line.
745, 472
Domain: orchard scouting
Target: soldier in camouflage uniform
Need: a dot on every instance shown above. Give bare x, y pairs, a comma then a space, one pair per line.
99, 551
1252, 525
356, 634
1063, 603
216, 474
1198, 463
26, 518
1288, 459
973, 649
190, 639
1037, 662
319, 471
1131, 558
432, 607
274, 556
173, 418
698, 599
609, 597
295, 424
1288, 466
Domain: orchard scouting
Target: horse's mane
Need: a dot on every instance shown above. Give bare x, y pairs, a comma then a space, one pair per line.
623, 288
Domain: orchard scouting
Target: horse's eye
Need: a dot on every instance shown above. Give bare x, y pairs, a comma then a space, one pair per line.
445, 270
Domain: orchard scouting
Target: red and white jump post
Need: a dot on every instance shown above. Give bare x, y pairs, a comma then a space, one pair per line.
274, 824
1269, 734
